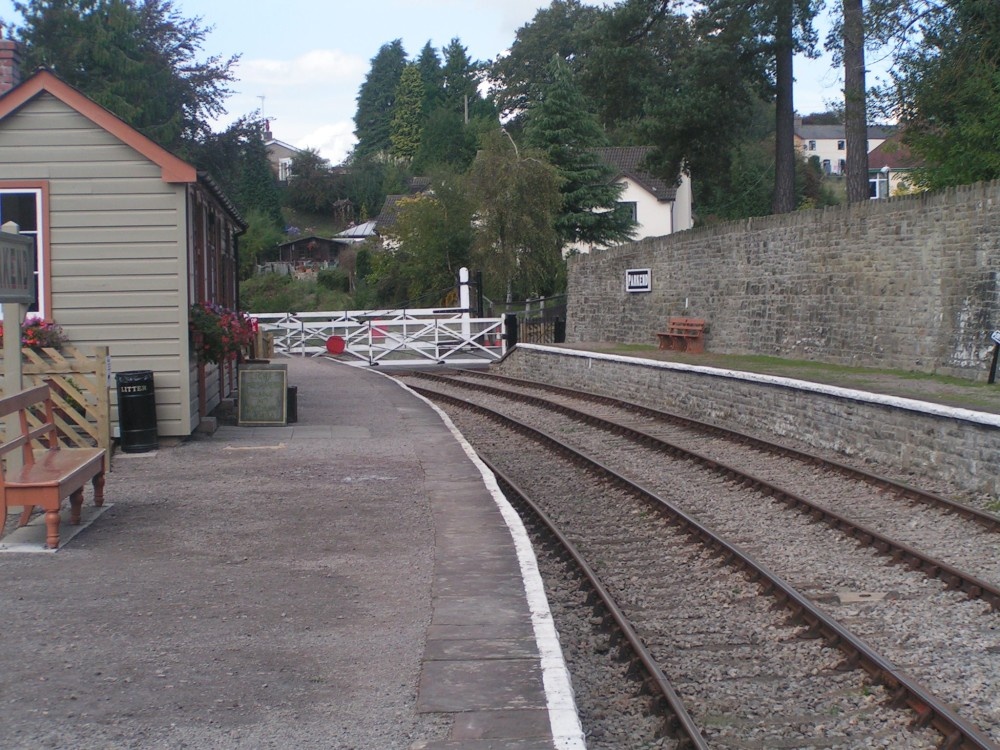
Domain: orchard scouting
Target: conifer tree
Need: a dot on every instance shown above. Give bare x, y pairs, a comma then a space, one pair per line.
562, 126
407, 115
376, 99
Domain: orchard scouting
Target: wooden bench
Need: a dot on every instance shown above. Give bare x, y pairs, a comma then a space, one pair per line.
684, 335
46, 475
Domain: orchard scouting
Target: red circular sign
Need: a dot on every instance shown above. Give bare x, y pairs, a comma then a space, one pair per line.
335, 345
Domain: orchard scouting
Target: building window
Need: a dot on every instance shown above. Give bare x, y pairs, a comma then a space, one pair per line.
25, 208
630, 209
840, 145
812, 145
826, 166
842, 166
284, 169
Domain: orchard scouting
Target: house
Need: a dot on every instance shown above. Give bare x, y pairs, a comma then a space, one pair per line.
828, 143
890, 168
312, 250
657, 207
279, 154
128, 236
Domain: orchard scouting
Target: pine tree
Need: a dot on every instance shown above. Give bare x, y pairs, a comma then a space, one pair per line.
432, 77
376, 99
407, 115
562, 126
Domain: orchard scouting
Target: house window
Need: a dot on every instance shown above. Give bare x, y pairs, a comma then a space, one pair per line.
812, 145
873, 188
284, 169
840, 145
842, 166
826, 166
630, 209
25, 207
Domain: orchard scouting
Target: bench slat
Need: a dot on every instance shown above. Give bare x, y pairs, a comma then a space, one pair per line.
48, 475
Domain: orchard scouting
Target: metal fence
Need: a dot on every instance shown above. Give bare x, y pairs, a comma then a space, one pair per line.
538, 321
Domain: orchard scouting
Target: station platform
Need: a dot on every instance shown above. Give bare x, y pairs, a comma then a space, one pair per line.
352, 580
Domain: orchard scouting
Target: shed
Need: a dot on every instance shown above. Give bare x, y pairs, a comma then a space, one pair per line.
128, 236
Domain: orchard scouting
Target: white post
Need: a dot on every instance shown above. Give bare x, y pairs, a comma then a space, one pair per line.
464, 302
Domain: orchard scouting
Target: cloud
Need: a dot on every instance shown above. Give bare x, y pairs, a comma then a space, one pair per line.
333, 141
315, 66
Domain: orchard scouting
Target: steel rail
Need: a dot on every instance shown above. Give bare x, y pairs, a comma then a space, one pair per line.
954, 578
958, 733
985, 519
681, 720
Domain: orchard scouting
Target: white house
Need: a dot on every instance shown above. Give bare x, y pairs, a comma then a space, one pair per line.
828, 143
657, 207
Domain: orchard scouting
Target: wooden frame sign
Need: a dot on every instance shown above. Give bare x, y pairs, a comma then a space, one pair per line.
263, 395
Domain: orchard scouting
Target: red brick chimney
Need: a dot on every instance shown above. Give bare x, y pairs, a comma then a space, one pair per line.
10, 65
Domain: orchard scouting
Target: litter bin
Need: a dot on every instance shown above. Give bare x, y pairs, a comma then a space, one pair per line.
137, 411
292, 404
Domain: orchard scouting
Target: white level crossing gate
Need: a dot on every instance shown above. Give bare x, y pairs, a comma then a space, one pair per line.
396, 337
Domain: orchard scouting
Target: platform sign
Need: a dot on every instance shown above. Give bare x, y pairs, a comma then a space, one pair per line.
996, 337
17, 268
638, 280
263, 394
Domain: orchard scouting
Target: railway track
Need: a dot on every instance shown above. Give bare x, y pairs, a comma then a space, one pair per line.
889, 606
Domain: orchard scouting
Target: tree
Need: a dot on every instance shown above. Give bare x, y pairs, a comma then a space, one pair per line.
767, 35
376, 98
855, 101
259, 243
516, 197
237, 159
407, 126
519, 76
946, 92
431, 76
312, 187
562, 127
434, 231
137, 58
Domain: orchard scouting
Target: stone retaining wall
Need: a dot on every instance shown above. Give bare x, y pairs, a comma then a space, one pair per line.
910, 283
958, 446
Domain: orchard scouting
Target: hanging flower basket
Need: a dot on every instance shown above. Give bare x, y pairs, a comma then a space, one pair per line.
218, 334
37, 333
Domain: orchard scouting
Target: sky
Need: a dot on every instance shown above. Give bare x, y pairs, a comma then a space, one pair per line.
303, 61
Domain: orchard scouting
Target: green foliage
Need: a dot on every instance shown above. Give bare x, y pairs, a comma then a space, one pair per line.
333, 279
521, 75
434, 232
376, 98
259, 243
407, 115
517, 200
271, 292
562, 127
313, 187
947, 94
137, 59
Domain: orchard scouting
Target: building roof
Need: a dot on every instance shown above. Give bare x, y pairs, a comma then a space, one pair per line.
357, 233
836, 132
628, 161
172, 168
892, 153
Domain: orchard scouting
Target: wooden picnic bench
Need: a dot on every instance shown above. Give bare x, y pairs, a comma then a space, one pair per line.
684, 335
48, 474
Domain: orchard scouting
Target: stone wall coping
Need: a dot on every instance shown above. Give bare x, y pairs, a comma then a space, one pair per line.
897, 402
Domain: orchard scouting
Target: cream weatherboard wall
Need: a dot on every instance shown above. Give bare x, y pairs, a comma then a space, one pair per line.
132, 235
117, 242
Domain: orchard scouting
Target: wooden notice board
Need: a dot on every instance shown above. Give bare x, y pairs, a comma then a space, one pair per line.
263, 394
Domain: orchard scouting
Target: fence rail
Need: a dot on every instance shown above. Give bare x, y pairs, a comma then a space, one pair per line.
79, 387
399, 337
